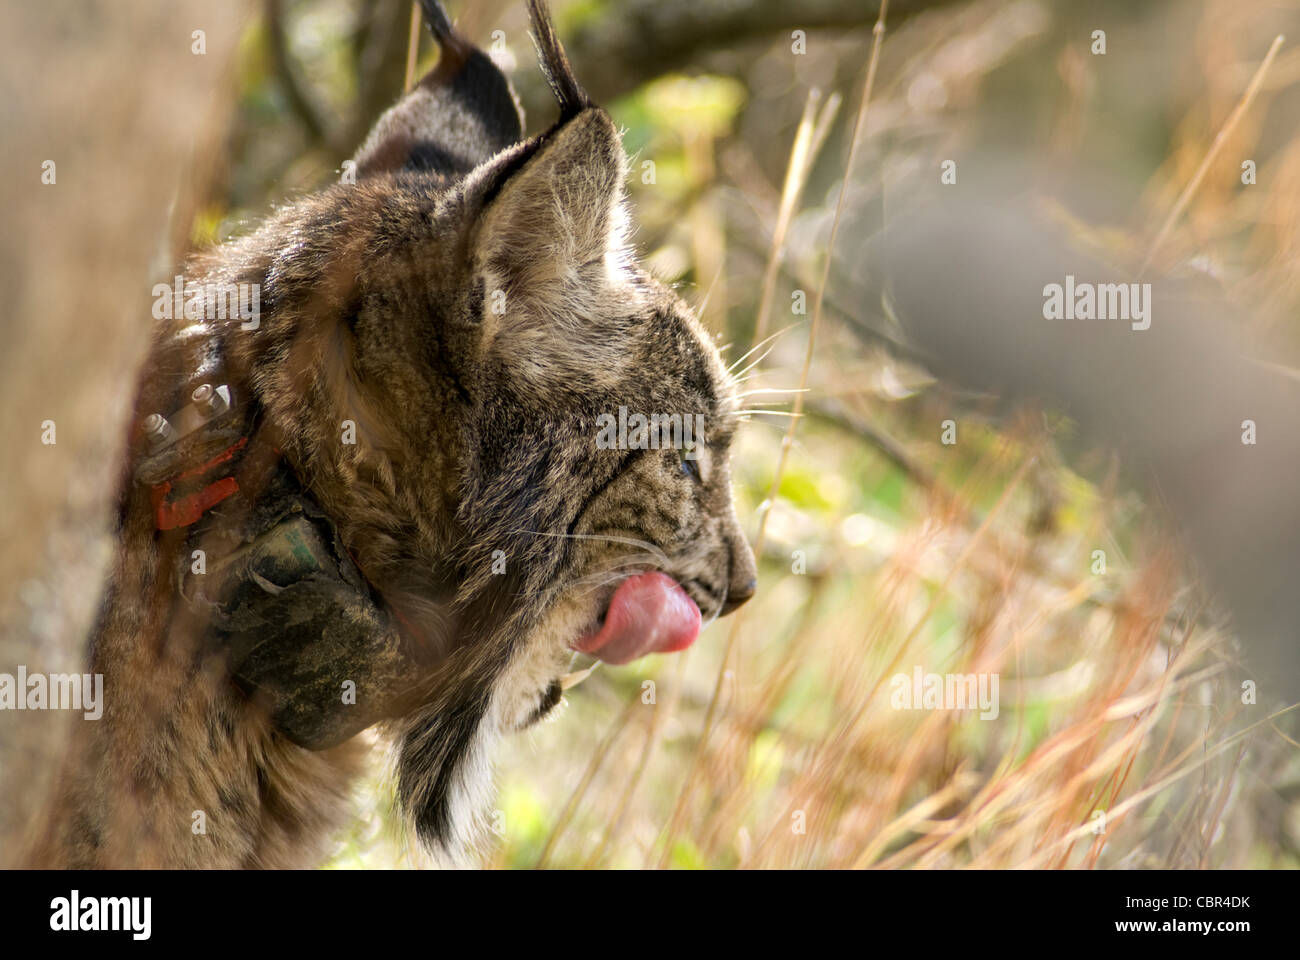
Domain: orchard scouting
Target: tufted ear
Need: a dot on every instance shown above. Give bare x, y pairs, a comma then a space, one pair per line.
459, 114
551, 246
560, 212
556, 220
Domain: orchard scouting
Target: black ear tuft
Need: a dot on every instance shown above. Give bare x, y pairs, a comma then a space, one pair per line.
555, 64
439, 24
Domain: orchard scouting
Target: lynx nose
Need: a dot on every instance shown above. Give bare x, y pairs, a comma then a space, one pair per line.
742, 573
738, 595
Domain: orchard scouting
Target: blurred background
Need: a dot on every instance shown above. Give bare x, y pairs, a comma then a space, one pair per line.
961, 489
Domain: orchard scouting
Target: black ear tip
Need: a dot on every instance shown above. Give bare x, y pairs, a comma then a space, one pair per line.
439, 23
555, 63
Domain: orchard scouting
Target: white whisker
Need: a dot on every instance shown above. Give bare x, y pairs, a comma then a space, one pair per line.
630, 541
741, 359
758, 390
599, 578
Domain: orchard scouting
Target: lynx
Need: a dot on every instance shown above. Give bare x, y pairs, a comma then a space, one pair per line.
380, 501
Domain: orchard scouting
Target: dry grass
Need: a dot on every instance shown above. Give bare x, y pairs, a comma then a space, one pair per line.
774, 742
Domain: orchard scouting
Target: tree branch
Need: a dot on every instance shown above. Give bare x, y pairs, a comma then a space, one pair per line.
635, 40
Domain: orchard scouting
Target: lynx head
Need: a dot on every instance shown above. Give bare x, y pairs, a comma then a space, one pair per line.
542, 428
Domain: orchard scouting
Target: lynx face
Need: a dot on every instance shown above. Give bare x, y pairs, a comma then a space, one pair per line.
646, 544
472, 305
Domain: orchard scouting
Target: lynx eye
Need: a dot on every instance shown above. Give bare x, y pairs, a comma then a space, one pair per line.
691, 464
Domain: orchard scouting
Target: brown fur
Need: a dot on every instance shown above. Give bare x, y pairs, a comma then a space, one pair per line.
475, 433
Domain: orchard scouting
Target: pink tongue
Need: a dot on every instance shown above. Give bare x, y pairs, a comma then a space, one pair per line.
649, 613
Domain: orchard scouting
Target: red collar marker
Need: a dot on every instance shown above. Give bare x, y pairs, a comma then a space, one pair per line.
170, 514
